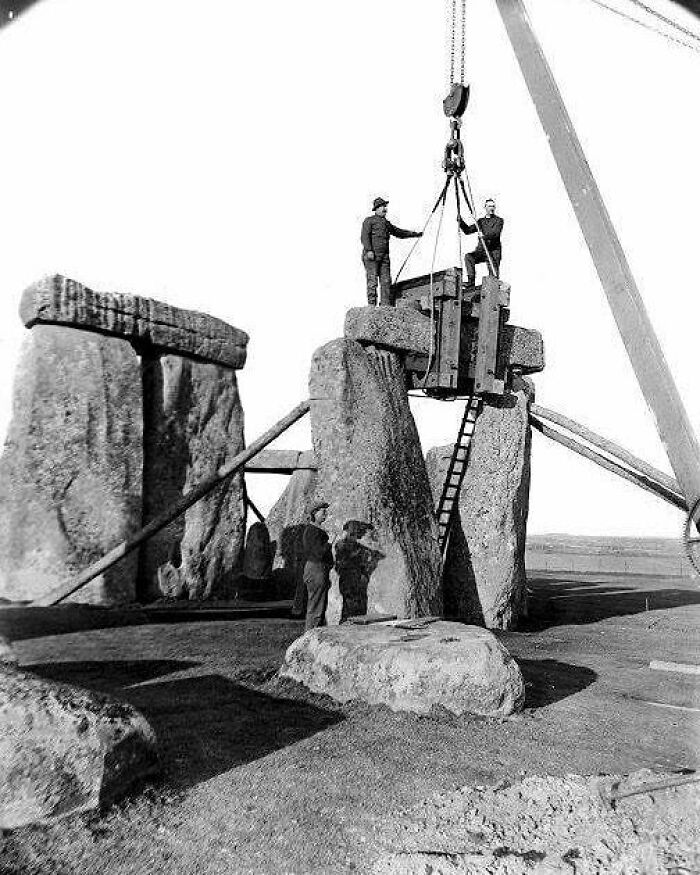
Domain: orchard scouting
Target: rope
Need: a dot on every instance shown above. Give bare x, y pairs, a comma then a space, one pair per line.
418, 239
469, 198
669, 21
656, 30
431, 352
459, 218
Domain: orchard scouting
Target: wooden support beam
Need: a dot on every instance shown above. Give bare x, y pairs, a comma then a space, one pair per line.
255, 510
162, 520
282, 462
625, 301
587, 452
607, 446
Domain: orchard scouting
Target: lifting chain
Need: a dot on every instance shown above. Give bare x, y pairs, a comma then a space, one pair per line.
456, 101
453, 40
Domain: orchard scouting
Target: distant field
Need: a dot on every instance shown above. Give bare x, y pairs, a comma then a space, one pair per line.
655, 556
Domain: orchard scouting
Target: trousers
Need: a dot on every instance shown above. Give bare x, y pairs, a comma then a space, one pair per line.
478, 256
379, 270
317, 584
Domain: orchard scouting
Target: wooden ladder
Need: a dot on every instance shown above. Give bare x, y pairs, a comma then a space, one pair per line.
456, 471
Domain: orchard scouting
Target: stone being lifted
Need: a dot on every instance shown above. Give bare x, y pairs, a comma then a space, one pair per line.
371, 471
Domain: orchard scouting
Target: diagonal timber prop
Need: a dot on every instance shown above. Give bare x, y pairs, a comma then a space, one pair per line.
162, 520
639, 478
624, 298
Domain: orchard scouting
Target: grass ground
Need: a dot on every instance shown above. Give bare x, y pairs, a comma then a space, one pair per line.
262, 777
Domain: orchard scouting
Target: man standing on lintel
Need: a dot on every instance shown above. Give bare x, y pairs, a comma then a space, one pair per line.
376, 230
491, 227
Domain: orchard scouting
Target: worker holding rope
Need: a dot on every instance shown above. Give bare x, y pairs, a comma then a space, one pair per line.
376, 230
490, 226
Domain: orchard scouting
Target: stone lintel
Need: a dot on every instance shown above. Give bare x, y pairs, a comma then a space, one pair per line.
149, 324
281, 462
401, 329
405, 330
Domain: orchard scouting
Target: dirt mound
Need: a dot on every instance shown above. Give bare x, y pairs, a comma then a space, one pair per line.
549, 825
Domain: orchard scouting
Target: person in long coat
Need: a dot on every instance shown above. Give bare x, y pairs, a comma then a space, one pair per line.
318, 561
376, 231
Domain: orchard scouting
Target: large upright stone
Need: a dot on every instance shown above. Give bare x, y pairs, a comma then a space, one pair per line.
70, 473
149, 324
193, 424
285, 522
484, 574
371, 471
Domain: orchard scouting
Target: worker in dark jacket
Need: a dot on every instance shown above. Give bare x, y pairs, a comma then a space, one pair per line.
490, 226
376, 230
318, 561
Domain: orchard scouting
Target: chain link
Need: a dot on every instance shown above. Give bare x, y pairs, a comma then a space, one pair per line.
453, 29
463, 40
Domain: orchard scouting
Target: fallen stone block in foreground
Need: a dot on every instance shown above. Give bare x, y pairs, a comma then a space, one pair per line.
463, 669
64, 750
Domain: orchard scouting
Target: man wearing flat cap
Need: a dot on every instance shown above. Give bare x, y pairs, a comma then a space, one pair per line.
376, 230
318, 561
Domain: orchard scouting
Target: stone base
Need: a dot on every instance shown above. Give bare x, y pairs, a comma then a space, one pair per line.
65, 751
463, 669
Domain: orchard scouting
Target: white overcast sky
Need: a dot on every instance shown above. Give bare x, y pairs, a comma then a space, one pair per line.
221, 156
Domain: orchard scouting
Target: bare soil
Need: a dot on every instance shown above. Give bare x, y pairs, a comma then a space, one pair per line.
262, 777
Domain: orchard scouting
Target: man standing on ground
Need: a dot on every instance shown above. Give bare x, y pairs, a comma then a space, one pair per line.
490, 226
376, 230
318, 561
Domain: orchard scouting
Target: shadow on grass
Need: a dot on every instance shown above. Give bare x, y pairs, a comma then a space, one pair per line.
548, 680
570, 601
108, 676
210, 724
206, 725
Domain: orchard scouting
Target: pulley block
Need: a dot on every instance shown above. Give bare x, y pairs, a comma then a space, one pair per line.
456, 101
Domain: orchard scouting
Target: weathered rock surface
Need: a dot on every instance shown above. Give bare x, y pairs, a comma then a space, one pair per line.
193, 424
399, 328
371, 471
285, 522
64, 751
484, 574
463, 669
60, 301
523, 348
70, 473
405, 330
257, 558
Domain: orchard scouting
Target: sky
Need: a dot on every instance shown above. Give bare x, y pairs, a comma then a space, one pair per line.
221, 157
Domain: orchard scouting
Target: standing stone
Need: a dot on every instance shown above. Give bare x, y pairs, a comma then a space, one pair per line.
70, 474
193, 424
371, 471
285, 522
257, 559
484, 575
